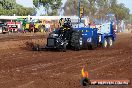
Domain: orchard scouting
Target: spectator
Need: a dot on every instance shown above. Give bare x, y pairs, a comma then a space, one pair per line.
47, 27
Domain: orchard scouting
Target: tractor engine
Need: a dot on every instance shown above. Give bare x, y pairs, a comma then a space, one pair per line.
60, 37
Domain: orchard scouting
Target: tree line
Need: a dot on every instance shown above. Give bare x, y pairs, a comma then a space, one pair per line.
98, 8
92, 8
51, 6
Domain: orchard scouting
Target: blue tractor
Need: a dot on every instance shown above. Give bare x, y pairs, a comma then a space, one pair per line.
65, 37
76, 37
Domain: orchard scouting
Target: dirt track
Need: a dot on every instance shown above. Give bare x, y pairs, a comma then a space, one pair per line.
22, 68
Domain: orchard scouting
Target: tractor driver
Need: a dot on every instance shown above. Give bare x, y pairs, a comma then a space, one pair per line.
66, 27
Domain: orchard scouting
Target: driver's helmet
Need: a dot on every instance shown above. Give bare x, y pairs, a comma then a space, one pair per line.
67, 22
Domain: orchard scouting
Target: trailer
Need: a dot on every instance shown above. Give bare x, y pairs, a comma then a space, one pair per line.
103, 36
106, 34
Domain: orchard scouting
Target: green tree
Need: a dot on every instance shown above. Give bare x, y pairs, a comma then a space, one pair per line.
10, 7
51, 6
120, 10
102, 8
98, 8
70, 7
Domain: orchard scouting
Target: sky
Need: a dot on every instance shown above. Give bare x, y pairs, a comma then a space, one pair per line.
28, 3
40, 10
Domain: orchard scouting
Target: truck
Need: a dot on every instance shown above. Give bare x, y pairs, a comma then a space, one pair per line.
77, 37
13, 27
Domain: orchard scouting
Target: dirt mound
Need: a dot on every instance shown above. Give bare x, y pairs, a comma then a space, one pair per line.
21, 41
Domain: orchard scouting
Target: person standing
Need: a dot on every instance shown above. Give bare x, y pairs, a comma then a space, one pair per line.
47, 26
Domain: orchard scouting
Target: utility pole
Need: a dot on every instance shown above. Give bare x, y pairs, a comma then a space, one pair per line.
78, 12
79, 8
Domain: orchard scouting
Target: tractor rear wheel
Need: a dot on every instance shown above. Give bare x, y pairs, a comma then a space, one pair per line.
76, 40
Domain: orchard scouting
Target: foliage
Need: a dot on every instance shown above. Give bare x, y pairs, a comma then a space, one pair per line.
98, 8
10, 7
50, 6
70, 7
